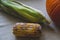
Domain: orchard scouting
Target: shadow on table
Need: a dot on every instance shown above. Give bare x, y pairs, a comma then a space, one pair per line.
31, 38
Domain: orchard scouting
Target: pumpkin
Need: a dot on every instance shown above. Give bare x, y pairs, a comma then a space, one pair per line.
53, 10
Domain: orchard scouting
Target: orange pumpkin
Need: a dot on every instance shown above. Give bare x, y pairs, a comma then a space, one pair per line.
53, 9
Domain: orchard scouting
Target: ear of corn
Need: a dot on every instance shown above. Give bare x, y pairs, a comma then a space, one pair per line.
13, 13
23, 11
27, 29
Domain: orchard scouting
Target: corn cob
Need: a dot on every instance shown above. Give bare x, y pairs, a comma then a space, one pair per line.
13, 13
30, 14
27, 29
